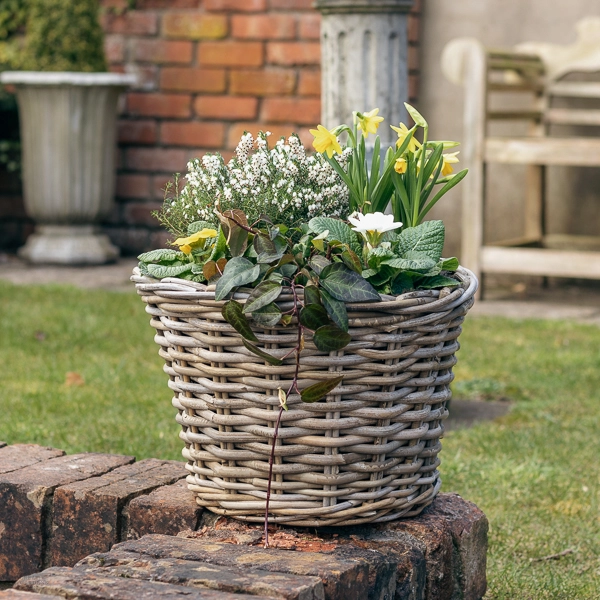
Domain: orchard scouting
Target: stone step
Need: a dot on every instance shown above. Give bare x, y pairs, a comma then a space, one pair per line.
18, 456
19, 595
68, 582
230, 578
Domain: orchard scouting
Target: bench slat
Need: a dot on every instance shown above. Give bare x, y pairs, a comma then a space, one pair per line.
543, 151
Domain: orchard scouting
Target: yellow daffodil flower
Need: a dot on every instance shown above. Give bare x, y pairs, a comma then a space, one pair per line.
448, 160
400, 166
186, 244
325, 141
402, 132
368, 122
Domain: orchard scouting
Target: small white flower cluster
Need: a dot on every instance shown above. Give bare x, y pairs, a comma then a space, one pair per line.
283, 183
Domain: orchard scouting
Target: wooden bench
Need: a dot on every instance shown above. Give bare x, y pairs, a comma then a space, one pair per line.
552, 80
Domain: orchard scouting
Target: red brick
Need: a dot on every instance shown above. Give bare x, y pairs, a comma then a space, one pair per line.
292, 4
162, 52
413, 57
277, 131
159, 184
194, 25
309, 83
293, 53
159, 105
172, 160
231, 54
229, 108
263, 27
413, 87
137, 132
205, 135
291, 110
310, 27
262, 83
236, 5
133, 186
114, 48
185, 79
167, 3
131, 22
413, 25
146, 75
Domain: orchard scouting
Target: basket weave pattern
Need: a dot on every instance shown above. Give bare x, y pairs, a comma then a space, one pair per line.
366, 453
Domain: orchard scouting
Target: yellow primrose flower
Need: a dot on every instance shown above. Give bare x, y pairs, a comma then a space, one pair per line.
400, 166
368, 122
448, 160
402, 132
186, 244
325, 141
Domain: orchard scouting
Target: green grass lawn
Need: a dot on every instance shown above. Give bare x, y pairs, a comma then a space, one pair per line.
534, 472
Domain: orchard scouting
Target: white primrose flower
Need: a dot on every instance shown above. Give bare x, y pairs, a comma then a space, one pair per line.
372, 226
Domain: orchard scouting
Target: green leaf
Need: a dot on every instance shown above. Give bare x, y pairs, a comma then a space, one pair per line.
143, 267
346, 285
367, 273
237, 237
336, 310
264, 355
417, 117
267, 316
264, 293
437, 281
428, 238
402, 283
449, 264
414, 261
238, 271
318, 263
232, 313
312, 295
338, 230
455, 180
331, 337
162, 271
288, 270
313, 316
351, 260
197, 226
319, 390
160, 255
220, 248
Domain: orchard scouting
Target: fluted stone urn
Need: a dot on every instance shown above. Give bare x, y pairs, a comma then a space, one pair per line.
68, 136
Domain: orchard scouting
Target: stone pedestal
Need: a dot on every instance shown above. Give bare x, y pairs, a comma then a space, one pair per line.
364, 51
68, 134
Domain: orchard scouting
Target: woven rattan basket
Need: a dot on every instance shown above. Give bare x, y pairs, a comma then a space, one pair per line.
366, 453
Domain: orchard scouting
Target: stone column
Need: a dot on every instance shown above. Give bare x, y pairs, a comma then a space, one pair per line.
364, 52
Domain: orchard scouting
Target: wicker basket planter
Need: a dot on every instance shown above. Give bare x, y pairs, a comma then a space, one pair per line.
367, 453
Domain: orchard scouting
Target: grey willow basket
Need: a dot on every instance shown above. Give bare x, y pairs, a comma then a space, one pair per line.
366, 453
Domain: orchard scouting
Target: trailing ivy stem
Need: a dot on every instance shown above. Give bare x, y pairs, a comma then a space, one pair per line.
293, 386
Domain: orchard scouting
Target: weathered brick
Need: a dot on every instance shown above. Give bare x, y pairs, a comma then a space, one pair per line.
231, 54
114, 48
236, 5
167, 510
137, 132
19, 456
146, 76
162, 51
158, 239
133, 186
199, 134
130, 22
159, 105
140, 213
229, 108
160, 182
306, 111
292, 4
413, 87
132, 241
309, 83
143, 4
25, 501
263, 27
342, 578
84, 585
413, 26
413, 57
192, 79
310, 26
18, 595
293, 53
262, 83
196, 574
87, 515
193, 25
237, 130
172, 160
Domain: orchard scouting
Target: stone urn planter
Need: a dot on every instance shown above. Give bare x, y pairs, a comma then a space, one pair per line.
365, 453
68, 135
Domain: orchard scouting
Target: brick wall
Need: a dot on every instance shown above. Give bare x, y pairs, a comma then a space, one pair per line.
208, 71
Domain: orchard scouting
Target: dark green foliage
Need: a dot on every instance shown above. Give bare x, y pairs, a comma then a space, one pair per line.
64, 35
